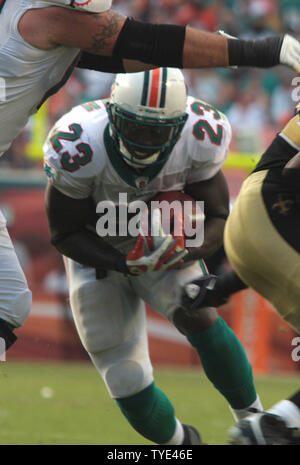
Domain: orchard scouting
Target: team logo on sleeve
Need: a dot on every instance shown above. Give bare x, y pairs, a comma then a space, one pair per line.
49, 171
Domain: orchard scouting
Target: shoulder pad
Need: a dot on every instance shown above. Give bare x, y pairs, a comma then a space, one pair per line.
74, 151
208, 130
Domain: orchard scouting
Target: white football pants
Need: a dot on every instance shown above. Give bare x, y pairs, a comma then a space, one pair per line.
15, 297
110, 318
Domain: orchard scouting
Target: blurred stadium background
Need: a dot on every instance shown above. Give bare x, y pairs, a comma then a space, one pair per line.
257, 103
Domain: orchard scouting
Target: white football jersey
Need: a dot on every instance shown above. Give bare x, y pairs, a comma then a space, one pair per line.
81, 161
28, 75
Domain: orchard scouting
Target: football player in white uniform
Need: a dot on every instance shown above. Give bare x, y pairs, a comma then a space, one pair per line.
148, 138
40, 44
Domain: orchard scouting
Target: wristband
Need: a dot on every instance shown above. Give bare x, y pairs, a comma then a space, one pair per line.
261, 53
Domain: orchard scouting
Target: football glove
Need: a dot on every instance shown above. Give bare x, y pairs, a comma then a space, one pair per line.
158, 251
290, 52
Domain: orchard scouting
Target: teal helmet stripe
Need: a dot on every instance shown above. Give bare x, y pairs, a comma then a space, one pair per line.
162, 102
145, 88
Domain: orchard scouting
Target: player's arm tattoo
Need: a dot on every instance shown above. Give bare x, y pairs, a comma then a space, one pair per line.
109, 25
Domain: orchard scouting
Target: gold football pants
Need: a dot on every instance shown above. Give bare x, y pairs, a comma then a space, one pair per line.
262, 243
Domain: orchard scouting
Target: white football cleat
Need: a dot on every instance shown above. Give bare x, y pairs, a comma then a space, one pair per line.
263, 429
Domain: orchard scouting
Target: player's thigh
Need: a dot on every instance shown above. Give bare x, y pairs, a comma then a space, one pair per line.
284, 299
163, 290
111, 322
260, 255
106, 311
15, 297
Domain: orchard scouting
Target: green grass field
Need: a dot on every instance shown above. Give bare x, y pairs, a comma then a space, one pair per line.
76, 410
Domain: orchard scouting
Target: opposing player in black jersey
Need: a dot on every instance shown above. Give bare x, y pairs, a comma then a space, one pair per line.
262, 232
262, 243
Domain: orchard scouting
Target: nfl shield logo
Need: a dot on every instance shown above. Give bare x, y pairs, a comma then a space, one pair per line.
141, 182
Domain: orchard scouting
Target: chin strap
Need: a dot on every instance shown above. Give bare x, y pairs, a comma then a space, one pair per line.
128, 158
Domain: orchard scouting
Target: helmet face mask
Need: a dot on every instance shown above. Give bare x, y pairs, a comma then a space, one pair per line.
144, 135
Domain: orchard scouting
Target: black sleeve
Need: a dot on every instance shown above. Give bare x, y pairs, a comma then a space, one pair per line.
65, 214
276, 155
159, 44
111, 64
261, 53
67, 218
215, 194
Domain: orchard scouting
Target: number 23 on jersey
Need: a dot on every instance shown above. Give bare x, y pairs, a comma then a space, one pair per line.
68, 161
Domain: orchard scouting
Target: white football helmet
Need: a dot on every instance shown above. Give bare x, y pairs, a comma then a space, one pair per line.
147, 112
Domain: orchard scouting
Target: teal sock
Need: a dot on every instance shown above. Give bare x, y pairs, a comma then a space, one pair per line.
225, 363
150, 413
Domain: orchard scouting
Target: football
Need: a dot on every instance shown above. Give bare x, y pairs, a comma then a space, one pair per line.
180, 215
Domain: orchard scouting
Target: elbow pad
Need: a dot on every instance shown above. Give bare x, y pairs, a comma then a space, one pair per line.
157, 44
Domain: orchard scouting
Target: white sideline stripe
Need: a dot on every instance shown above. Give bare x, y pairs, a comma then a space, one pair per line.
155, 327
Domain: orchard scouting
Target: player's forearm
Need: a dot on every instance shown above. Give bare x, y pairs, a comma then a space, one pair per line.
204, 49
178, 46
112, 34
90, 250
213, 240
111, 64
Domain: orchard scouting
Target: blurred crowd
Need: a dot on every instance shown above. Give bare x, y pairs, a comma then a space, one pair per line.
257, 102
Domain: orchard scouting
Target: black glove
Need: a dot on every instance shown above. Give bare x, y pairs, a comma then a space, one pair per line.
203, 292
